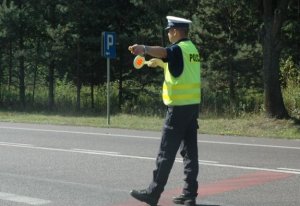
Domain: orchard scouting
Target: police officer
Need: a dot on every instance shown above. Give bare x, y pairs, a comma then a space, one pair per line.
181, 95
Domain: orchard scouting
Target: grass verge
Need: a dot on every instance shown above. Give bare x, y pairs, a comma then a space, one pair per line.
247, 125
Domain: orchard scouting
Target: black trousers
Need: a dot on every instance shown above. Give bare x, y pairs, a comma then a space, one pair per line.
179, 131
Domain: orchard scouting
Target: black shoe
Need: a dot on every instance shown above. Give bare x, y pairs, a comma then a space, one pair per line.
185, 200
143, 196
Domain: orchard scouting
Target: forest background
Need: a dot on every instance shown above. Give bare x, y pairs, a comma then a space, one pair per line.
50, 55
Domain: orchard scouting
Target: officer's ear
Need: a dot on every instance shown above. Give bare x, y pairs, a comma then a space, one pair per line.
175, 32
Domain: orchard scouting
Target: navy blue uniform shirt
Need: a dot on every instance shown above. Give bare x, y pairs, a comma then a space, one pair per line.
175, 59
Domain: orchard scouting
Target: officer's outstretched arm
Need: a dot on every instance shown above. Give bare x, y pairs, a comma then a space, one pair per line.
154, 51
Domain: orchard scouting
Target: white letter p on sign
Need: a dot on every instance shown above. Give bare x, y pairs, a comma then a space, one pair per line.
110, 41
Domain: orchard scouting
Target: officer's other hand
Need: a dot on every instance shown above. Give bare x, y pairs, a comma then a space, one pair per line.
155, 62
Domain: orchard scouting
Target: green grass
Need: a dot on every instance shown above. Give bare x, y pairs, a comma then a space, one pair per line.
252, 125
247, 125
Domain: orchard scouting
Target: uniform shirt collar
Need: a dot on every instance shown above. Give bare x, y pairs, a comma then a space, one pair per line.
184, 39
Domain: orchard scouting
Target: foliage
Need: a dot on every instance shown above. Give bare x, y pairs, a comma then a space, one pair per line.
231, 54
50, 54
290, 78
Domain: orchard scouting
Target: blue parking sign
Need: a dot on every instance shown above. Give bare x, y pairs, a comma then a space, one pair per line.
109, 45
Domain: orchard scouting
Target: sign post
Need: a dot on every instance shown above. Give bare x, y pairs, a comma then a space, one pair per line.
109, 52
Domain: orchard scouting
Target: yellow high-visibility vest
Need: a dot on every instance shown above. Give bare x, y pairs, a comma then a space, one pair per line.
185, 89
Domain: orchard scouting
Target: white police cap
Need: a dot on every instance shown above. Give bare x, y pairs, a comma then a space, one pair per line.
174, 21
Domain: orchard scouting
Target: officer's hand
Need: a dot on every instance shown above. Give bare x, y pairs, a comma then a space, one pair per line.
136, 49
155, 62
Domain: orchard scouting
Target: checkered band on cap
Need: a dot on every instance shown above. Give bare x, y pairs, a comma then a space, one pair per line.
174, 21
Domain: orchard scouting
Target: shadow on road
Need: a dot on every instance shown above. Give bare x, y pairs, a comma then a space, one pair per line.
207, 205
196, 205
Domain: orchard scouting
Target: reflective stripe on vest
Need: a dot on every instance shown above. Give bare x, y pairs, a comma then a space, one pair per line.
185, 89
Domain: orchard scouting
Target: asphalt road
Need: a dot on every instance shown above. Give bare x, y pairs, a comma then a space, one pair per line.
80, 166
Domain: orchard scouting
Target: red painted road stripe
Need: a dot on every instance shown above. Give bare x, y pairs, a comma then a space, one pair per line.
241, 182
219, 187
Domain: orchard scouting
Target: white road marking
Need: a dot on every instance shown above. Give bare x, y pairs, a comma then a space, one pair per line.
77, 132
116, 154
289, 169
94, 151
57, 181
147, 137
253, 168
250, 145
200, 161
14, 144
22, 199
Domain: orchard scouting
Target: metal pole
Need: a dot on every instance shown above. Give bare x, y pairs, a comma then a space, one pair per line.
108, 93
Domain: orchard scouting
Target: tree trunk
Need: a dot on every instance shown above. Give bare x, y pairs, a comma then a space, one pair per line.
22, 71
21, 59
35, 69
78, 82
34, 83
273, 19
51, 69
78, 91
51, 85
10, 64
1, 77
232, 96
92, 96
121, 64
